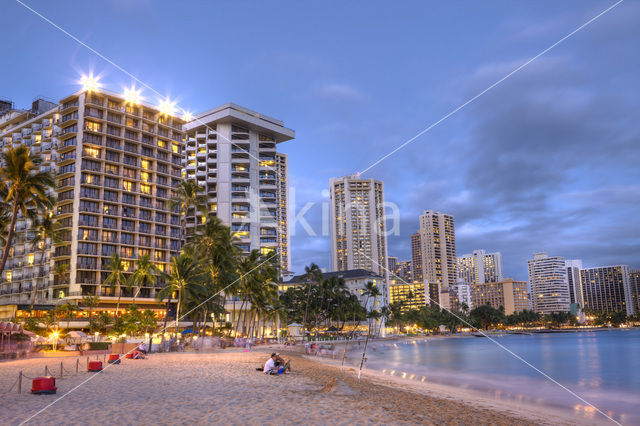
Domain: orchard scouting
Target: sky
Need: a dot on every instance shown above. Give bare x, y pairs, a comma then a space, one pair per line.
548, 160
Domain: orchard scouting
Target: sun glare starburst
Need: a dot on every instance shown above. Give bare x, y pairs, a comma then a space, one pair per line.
167, 107
90, 82
133, 95
187, 116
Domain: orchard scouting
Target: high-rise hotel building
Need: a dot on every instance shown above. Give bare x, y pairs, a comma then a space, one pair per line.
358, 230
548, 284
437, 247
608, 289
480, 267
231, 152
115, 164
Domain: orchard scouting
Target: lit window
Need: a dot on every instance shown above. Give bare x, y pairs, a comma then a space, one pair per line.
126, 265
145, 189
145, 164
175, 148
128, 186
9, 276
30, 259
162, 144
92, 125
144, 176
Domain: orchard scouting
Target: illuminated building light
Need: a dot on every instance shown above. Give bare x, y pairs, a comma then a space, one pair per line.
133, 95
90, 82
167, 107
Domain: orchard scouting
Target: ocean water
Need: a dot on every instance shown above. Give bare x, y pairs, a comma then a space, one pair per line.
601, 367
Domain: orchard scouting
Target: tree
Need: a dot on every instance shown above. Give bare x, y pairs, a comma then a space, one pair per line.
116, 277
188, 196
66, 311
91, 302
312, 275
146, 273
46, 228
486, 315
186, 278
25, 188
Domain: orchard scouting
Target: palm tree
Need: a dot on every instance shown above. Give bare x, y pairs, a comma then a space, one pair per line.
146, 273
186, 277
25, 188
91, 302
47, 228
248, 282
187, 197
312, 275
116, 277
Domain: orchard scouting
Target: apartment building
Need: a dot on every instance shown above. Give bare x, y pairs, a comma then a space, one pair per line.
393, 264
548, 284
460, 296
358, 233
634, 282
480, 267
28, 267
404, 271
116, 161
437, 241
407, 295
608, 289
508, 294
231, 152
416, 259
574, 281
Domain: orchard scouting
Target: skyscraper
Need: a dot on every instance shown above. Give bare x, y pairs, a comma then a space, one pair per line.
358, 233
116, 161
480, 267
416, 258
404, 271
548, 284
437, 242
608, 289
393, 264
231, 152
634, 282
574, 281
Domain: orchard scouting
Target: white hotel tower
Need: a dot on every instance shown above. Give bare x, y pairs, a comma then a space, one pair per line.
231, 152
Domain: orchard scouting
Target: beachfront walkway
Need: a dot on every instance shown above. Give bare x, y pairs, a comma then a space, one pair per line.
224, 387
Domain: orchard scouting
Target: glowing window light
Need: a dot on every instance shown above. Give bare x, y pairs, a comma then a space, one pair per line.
132, 95
90, 82
167, 107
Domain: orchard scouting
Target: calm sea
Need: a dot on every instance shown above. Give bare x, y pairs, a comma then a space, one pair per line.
602, 367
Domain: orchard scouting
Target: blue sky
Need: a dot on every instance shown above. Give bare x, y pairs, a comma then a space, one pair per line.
547, 161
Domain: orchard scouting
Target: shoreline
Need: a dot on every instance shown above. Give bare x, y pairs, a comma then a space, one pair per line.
224, 386
469, 397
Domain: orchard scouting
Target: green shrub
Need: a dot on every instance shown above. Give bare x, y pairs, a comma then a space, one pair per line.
98, 346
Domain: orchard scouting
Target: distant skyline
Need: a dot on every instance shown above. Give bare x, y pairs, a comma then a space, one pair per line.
547, 161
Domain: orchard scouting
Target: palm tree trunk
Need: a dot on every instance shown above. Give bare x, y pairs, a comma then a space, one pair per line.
12, 225
238, 319
178, 310
35, 290
119, 290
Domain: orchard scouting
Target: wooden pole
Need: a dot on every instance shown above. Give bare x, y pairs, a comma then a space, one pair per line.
20, 382
61, 369
364, 352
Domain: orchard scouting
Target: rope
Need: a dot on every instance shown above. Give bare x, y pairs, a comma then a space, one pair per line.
13, 386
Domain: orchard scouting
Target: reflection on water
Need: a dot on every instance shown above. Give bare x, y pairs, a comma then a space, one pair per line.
601, 367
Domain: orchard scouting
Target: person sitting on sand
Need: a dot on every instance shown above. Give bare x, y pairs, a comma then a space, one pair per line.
270, 365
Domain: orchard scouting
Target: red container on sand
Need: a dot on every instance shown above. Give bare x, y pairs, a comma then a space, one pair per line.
44, 385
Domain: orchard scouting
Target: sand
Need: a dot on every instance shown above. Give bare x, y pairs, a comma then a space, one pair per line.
224, 387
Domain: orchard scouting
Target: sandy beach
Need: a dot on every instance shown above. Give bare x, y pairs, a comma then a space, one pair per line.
190, 388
